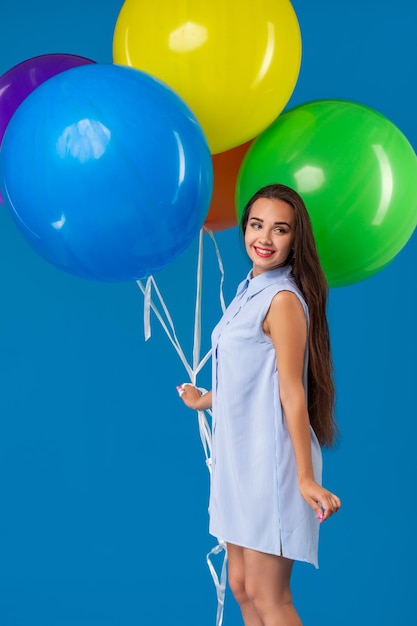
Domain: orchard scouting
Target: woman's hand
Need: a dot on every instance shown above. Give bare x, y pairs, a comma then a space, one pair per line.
192, 397
322, 501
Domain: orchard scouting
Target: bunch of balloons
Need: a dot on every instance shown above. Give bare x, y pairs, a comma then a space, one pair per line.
118, 159
123, 163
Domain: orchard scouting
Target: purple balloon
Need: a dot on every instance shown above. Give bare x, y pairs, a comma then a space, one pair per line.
22, 79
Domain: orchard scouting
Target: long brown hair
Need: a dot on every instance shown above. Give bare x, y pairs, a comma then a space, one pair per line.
310, 279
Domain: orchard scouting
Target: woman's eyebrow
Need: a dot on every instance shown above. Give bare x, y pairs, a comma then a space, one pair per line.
275, 223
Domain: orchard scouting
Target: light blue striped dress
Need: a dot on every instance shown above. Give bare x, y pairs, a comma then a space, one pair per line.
254, 497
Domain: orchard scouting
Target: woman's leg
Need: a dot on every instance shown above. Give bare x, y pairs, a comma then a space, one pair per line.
267, 585
236, 569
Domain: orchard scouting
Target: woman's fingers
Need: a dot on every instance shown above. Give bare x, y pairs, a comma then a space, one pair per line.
330, 504
324, 502
189, 394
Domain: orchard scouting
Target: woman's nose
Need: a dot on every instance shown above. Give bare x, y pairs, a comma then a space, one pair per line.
265, 238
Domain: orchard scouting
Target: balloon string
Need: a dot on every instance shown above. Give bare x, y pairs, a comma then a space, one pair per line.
197, 316
220, 584
198, 364
149, 304
221, 267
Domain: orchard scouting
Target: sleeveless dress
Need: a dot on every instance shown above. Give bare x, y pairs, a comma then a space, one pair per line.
254, 497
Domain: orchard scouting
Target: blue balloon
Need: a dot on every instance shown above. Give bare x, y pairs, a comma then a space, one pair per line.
107, 172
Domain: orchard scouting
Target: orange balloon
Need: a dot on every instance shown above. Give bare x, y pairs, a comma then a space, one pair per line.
226, 165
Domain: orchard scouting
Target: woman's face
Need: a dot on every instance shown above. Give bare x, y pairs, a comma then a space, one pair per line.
269, 234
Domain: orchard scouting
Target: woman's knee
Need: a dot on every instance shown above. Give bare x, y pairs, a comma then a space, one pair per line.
237, 584
236, 574
267, 580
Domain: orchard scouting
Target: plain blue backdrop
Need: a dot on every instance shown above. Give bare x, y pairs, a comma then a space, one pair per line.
103, 486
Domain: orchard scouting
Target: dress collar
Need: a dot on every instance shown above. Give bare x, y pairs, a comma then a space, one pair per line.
252, 286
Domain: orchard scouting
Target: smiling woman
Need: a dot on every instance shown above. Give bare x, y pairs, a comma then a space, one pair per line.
269, 348
269, 234
103, 483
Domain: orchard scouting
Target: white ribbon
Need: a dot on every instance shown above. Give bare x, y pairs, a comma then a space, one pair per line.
192, 371
221, 268
220, 584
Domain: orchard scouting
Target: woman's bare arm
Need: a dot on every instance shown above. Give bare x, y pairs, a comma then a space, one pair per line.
286, 325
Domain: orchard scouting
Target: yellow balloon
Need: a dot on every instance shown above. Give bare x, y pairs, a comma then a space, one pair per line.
234, 62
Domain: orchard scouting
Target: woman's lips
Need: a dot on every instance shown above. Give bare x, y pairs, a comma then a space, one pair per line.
263, 252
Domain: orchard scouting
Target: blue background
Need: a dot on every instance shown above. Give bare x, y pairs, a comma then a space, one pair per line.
103, 486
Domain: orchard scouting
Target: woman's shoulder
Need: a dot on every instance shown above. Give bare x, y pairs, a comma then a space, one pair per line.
286, 294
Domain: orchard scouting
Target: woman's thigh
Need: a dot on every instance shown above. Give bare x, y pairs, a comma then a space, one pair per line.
267, 576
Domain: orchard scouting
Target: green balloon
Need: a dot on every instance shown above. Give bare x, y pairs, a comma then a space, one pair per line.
357, 174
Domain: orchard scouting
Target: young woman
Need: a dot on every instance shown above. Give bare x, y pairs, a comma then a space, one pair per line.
272, 401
